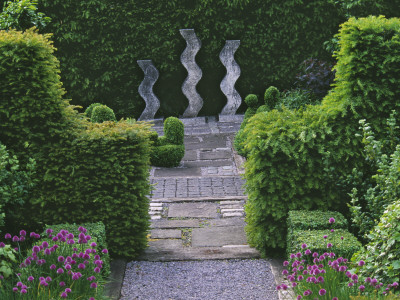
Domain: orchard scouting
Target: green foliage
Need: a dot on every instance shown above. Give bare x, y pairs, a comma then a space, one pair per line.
15, 184
316, 242
251, 101
296, 156
97, 231
167, 155
89, 109
263, 108
102, 113
295, 99
7, 261
368, 204
315, 219
238, 142
251, 111
21, 15
174, 131
271, 97
102, 68
382, 253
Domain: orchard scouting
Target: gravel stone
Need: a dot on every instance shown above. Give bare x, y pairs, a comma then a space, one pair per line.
199, 280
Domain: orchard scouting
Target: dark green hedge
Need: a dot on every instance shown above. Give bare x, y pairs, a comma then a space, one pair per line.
87, 172
296, 156
99, 42
315, 219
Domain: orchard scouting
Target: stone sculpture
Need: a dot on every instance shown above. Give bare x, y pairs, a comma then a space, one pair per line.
146, 89
194, 73
233, 72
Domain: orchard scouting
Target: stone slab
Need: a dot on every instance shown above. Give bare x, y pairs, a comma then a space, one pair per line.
218, 236
187, 171
165, 244
228, 222
232, 214
231, 118
193, 210
175, 224
190, 155
166, 234
113, 286
213, 155
207, 163
200, 253
194, 121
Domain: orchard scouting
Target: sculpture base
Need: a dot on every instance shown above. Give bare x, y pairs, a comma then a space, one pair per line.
230, 118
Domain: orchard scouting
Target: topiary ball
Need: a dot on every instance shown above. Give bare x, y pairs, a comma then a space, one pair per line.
102, 113
251, 100
89, 109
271, 97
263, 108
167, 156
174, 131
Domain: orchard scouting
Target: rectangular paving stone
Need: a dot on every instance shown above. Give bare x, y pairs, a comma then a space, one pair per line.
166, 234
206, 163
165, 244
218, 236
192, 210
190, 169
175, 224
190, 155
214, 155
233, 214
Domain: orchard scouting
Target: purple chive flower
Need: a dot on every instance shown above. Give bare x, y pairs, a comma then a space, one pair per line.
15, 239
354, 277
325, 236
374, 282
62, 283
63, 295
91, 298
7, 236
44, 283
53, 267
31, 278
93, 285
97, 270
49, 231
45, 245
105, 251
320, 279
362, 288
331, 220
19, 284
60, 258
341, 237
2, 245
81, 266
68, 290
88, 237
335, 298
23, 291
395, 284
285, 272
308, 252
332, 230
298, 254
299, 297
71, 242
361, 263
67, 267
48, 279
303, 246
329, 245
342, 268
93, 244
285, 263
350, 284
368, 280
60, 271
315, 255
47, 251
15, 289
322, 292
22, 233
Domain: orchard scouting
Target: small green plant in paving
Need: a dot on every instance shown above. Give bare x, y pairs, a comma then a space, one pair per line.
187, 237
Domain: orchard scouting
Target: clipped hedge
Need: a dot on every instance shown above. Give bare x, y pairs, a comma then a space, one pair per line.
174, 131
315, 219
97, 232
99, 43
102, 113
101, 175
167, 156
316, 242
296, 157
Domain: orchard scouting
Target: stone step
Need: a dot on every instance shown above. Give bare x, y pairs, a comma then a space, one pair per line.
222, 199
200, 253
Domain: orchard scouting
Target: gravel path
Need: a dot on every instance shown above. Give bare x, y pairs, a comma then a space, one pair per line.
200, 280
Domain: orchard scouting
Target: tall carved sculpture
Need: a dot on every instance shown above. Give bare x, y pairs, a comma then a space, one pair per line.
146, 89
194, 73
232, 74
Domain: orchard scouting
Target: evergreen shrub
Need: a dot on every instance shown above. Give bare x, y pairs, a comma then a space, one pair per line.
315, 219
89, 109
271, 97
167, 156
295, 157
174, 131
102, 113
251, 100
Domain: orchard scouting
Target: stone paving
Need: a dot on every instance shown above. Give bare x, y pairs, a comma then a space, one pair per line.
197, 209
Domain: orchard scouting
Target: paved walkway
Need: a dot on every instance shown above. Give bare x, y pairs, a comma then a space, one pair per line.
197, 209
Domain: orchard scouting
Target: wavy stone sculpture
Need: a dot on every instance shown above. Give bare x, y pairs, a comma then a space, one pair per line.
146, 89
194, 73
232, 74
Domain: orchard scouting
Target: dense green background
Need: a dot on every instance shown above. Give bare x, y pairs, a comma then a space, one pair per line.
99, 42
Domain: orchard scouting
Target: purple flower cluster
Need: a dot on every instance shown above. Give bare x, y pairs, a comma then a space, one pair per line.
64, 266
315, 278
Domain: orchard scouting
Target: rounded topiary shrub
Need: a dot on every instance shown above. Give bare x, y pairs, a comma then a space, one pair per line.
167, 156
263, 108
174, 131
102, 113
251, 100
271, 97
89, 109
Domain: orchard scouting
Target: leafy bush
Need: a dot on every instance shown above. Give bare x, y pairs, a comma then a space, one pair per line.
21, 15
271, 97
369, 202
316, 76
167, 155
296, 99
382, 254
89, 109
295, 156
102, 69
102, 113
315, 219
15, 184
251, 100
174, 131
65, 266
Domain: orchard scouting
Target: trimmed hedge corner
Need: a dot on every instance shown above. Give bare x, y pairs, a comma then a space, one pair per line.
315, 219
